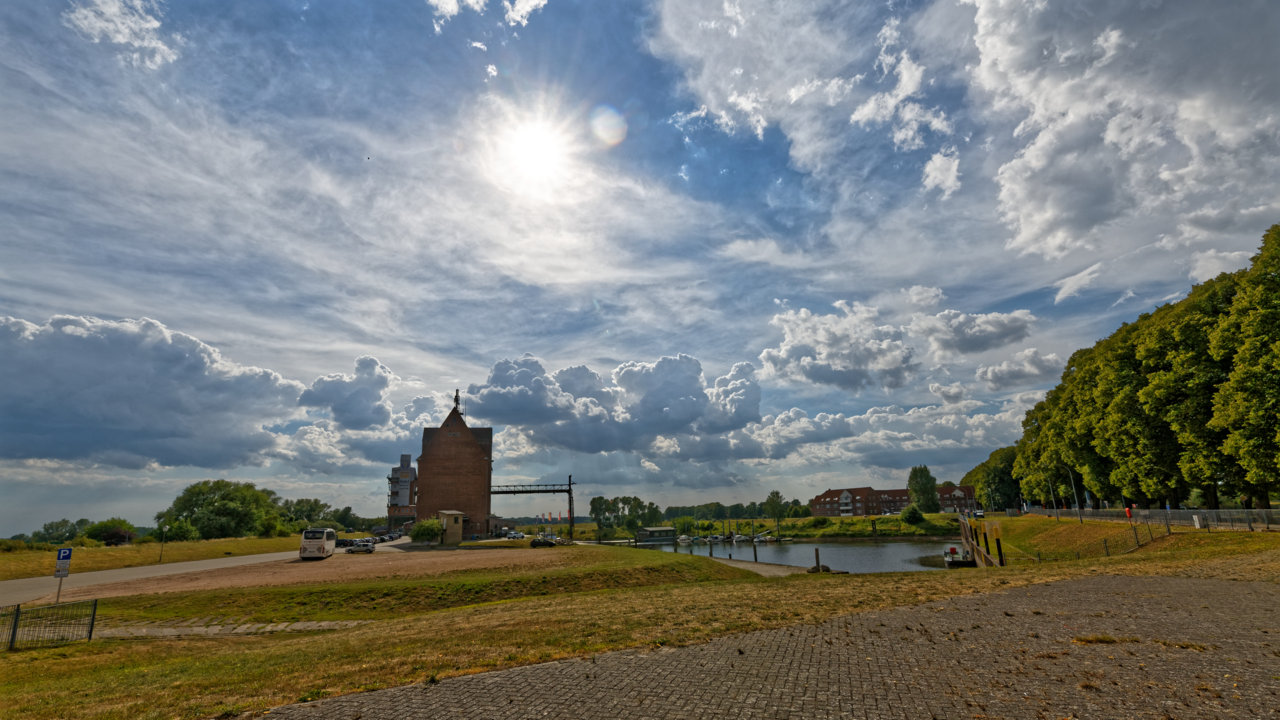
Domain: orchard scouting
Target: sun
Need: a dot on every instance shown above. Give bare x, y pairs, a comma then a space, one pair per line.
533, 156
534, 153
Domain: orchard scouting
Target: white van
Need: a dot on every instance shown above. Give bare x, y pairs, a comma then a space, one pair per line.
317, 543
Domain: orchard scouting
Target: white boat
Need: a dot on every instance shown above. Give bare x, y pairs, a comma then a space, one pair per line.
684, 540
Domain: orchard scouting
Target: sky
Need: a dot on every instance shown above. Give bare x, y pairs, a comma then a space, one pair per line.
690, 251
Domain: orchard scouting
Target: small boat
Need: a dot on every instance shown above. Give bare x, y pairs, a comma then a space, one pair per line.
684, 540
954, 559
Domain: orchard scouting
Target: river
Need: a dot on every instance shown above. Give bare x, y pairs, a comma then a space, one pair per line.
855, 556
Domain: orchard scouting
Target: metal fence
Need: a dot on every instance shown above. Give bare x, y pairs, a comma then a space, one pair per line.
47, 625
1208, 520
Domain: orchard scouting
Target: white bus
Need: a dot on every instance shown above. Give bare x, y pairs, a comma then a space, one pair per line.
317, 543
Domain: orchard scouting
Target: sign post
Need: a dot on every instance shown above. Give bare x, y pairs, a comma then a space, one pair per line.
61, 570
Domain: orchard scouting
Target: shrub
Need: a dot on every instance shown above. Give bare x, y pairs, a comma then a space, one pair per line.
427, 531
819, 522
115, 531
912, 515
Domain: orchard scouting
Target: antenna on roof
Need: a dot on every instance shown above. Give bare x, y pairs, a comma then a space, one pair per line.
456, 400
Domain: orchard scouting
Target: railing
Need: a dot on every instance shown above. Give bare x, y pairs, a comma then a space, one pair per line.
1201, 519
47, 625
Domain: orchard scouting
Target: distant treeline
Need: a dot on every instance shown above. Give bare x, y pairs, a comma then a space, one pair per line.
1185, 400
207, 510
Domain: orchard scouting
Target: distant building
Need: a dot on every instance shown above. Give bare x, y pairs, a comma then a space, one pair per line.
656, 535
401, 504
455, 472
852, 502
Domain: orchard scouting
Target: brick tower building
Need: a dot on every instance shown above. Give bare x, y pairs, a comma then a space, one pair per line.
455, 471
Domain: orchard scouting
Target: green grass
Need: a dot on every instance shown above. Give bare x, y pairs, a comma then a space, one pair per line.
595, 569
36, 563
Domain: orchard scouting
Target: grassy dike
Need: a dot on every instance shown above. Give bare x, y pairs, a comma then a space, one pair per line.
605, 598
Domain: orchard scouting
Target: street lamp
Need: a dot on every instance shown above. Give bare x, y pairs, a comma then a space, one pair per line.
163, 530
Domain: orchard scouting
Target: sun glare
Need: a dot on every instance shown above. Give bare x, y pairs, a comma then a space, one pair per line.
532, 158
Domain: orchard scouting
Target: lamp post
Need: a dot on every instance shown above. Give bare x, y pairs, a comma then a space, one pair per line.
163, 530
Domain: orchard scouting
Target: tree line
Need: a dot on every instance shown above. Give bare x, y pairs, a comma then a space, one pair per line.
207, 510
1183, 402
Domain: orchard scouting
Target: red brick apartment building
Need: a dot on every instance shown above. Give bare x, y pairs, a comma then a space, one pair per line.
848, 502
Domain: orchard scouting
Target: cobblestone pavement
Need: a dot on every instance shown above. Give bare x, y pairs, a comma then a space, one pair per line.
1099, 647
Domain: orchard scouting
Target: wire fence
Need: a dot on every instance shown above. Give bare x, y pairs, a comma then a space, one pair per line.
47, 625
1207, 520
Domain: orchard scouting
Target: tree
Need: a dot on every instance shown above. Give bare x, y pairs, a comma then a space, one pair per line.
922, 487
59, 531
1246, 406
428, 530
775, 507
114, 531
994, 486
911, 515
222, 508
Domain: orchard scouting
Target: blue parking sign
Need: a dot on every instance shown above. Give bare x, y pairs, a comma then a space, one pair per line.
64, 554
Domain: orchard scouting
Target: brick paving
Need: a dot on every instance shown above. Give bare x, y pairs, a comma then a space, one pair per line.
1183, 648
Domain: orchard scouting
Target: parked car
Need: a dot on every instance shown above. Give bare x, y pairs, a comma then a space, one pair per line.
515, 535
979, 513
345, 542
361, 547
542, 542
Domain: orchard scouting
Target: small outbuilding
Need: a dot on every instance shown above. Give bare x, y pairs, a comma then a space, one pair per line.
655, 535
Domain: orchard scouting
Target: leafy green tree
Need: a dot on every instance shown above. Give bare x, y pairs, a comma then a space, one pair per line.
428, 530
1247, 406
992, 480
222, 508
922, 486
306, 510
774, 506
114, 531
1182, 378
59, 531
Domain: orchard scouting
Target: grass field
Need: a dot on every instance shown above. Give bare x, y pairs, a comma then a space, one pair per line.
464, 622
35, 563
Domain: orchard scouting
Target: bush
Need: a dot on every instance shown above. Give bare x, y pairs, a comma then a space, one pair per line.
912, 515
114, 531
427, 531
819, 522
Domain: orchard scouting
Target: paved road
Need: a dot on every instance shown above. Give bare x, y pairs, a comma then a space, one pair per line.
1182, 649
13, 592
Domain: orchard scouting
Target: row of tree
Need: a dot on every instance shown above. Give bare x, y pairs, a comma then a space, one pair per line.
212, 509
738, 511
1184, 400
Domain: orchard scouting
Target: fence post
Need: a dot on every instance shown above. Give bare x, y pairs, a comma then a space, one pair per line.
93, 618
13, 631
1105, 549
1136, 541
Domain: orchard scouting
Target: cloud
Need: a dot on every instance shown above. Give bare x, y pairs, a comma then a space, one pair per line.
1027, 366
1209, 264
575, 408
134, 24
134, 394
847, 349
357, 401
950, 394
1072, 285
1122, 113
943, 172
518, 12
952, 332
894, 106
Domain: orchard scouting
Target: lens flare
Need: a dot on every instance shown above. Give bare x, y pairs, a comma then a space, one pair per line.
608, 125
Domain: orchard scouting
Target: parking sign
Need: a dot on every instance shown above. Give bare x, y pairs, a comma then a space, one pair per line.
64, 554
